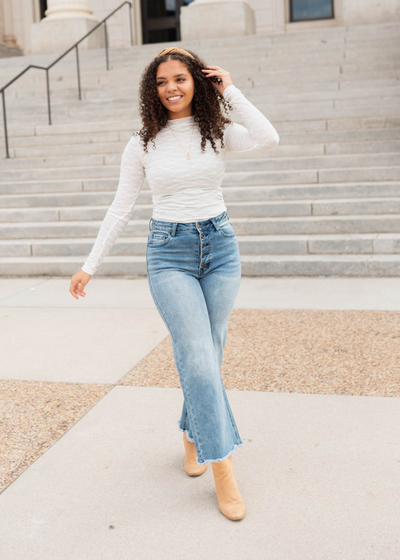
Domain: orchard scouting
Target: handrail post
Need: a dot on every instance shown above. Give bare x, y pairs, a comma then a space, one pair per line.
77, 68
5, 122
48, 94
106, 42
130, 21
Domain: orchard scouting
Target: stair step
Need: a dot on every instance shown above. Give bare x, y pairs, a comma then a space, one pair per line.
76, 193
244, 209
284, 151
57, 164
252, 265
331, 140
384, 223
368, 243
327, 127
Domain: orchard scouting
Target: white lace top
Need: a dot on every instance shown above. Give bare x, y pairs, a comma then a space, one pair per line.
183, 190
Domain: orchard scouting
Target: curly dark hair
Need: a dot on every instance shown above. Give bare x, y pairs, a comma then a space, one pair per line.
206, 102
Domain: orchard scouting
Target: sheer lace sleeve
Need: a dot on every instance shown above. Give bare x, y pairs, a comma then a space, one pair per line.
257, 132
132, 176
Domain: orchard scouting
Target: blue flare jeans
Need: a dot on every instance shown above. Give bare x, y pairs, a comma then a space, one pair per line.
194, 274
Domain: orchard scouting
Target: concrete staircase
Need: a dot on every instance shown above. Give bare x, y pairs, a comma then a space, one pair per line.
325, 201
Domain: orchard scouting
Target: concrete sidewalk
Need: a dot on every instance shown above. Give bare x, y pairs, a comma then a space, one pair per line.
320, 473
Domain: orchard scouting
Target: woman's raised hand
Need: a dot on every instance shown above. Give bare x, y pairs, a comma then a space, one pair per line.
78, 283
223, 74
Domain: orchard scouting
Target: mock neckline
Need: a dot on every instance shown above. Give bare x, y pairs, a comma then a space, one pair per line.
182, 120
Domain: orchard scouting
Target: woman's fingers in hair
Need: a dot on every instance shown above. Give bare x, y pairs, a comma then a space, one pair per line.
225, 77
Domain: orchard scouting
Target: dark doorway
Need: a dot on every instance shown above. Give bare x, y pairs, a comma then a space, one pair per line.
306, 10
43, 8
160, 20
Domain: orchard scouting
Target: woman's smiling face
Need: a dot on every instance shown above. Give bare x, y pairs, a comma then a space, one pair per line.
175, 80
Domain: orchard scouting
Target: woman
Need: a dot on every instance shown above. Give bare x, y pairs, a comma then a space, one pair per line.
193, 259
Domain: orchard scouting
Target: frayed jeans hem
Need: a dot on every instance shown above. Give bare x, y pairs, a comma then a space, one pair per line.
222, 458
187, 434
186, 431
236, 445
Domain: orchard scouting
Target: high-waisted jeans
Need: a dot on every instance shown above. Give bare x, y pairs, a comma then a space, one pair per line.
194, 274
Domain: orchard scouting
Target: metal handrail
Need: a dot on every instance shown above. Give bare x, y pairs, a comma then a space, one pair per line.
47, 68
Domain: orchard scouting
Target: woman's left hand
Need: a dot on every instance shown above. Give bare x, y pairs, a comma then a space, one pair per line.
223, 74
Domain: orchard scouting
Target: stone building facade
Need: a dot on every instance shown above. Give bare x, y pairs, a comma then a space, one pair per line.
43, 26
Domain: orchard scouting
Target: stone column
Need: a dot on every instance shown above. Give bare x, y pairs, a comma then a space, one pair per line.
64, 9
66, 22
208, 19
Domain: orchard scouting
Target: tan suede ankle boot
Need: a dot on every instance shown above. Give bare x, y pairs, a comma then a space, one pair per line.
229, 499
191, 466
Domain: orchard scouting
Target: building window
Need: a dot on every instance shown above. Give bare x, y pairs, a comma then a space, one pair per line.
306, 10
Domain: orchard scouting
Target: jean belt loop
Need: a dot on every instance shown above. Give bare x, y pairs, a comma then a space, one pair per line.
173, 228
215, 222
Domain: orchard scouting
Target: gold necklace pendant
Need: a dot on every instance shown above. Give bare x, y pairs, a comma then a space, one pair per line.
188, 155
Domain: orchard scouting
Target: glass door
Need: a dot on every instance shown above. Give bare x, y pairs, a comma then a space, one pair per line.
42, 8
160, 20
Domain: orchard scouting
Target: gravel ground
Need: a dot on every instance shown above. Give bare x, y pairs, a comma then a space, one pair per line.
34, 415
300, 351
297, 351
